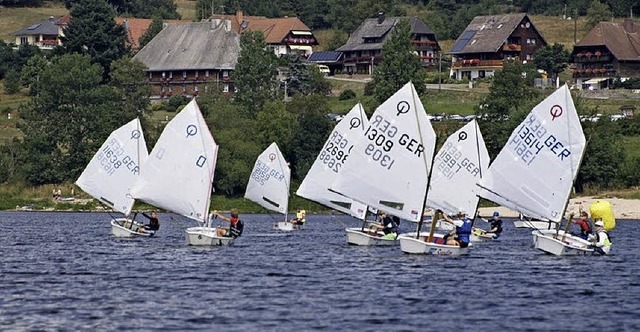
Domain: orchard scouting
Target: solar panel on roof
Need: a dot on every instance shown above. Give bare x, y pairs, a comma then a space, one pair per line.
462, 41
324, 56
35, 26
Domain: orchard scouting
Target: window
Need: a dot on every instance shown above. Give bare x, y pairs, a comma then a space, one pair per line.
170, 74
529, 57
195, 87
184, 74
206, 73
481, 74
225, 88
206, 88
164, 74
24, 41
184, 88
196, 74
150, 75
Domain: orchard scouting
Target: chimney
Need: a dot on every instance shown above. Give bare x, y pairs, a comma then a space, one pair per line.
628, 25
380, 17
239, 16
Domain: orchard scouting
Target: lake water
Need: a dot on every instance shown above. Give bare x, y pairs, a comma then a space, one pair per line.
63, 271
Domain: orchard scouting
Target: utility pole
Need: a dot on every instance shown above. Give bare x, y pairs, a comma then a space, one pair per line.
440, 71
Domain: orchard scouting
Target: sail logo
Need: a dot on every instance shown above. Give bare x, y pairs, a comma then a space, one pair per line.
532, 137
192, 130
201, 160
555, 111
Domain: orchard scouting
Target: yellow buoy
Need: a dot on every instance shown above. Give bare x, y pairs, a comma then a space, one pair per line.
603, 210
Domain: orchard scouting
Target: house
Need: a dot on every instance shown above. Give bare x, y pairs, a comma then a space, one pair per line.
609, 50
363, 50
188, 58
489, 40
44, 34
283, 35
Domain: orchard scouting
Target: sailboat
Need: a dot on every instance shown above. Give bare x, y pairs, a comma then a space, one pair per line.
269, 184
111, 173
458, 165
388, 168
534, 172
327, 166
178, 176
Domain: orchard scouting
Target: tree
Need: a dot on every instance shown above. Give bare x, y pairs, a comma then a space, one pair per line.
596, 13
337, 39
12, 82
511, 96
304, 77
128, 78
552, 59
69, 118
399, 65
93, 31
157, 24
255, 73
603, 156
30, 73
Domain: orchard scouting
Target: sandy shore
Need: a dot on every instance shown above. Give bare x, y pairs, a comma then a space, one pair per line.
622, 208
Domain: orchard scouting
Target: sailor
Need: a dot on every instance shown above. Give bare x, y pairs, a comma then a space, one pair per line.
301, 217
495, 225
585, 228
602, 241
154, 223
461, 234
235, 228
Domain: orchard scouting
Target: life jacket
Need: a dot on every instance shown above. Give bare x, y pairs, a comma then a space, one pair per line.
607, 241
236, 229
300, 215
464, 231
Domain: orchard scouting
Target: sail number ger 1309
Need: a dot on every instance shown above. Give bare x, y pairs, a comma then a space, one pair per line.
381, 135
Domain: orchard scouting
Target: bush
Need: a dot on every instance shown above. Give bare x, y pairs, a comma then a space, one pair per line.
347, 94
175, 102
368, 89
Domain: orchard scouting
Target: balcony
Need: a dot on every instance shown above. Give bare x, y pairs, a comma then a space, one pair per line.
477, 63
512, 48
592, 57
595, 72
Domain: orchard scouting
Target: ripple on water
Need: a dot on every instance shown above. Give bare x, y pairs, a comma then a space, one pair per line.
75, 276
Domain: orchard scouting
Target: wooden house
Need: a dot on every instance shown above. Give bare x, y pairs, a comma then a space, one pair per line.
488, 41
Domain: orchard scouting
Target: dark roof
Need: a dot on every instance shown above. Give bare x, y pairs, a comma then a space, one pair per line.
370, 28
488, 33
325, 56
44, 27
623, 43
193, 46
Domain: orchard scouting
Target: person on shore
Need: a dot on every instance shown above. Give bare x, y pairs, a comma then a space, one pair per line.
154, 222
495, 224
585, 228
236, 225
301, 217
460, 235
602, 243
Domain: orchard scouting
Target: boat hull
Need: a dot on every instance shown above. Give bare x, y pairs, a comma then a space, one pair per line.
127, 228
286, 226
355, 236
550, 243
206, 236
479, 235
410, 245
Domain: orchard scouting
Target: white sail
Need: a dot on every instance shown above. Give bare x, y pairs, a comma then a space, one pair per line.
329, 162
460, 163
113, 169
389, 167
534, 172
179, 173
269, 181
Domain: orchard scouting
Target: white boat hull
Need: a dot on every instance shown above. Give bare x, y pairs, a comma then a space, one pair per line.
548, 242
532, 224
123, 227
286, 226
410, 245
206, 236
479, 235
356, 236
